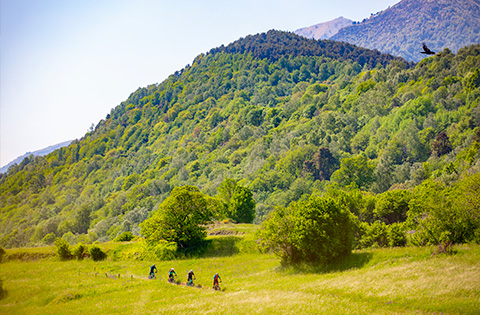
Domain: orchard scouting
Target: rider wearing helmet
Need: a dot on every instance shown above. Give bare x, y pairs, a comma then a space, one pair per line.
190, 277
216, 277
153, 270
170, 275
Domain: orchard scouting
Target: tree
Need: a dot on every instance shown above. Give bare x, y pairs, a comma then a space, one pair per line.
392, 206
238, 201
358, 170
441, 145
318, 230
322, 165
180, 218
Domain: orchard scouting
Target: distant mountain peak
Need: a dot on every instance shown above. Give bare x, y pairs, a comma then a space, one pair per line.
41, 152
401, 29
324, 30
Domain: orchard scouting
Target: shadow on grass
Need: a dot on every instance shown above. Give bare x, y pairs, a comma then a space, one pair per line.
353, 261
217, 247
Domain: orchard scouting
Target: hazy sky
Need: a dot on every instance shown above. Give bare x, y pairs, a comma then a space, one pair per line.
65, 64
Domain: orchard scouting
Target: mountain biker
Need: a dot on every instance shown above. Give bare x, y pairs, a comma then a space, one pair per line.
153, 270
216, 277
170, 275
190, 277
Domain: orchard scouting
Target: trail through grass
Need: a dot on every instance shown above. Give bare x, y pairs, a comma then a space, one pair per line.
381, 281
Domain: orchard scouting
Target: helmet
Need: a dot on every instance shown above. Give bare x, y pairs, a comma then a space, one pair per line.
191, 270
153, 265
216, 274
171, 269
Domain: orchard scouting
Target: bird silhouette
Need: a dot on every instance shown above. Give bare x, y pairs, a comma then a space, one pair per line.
426, 50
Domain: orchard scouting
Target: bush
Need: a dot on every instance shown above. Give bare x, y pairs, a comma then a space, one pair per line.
2, 253
80, 251
315, 231
374, 235
162, 250
397, 235
2, 290
124, 237
63, 249
96, 253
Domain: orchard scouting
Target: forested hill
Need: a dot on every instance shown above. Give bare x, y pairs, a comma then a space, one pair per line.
401, 29
275, 117
275, 44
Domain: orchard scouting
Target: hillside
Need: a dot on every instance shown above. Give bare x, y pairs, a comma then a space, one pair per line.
283, 115
324, 30
401, 29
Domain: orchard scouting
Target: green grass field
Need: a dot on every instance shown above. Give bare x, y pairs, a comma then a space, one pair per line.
377, 281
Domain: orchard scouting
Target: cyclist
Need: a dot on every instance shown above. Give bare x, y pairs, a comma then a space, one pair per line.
190, 277
216, 278
171, 278
153, 270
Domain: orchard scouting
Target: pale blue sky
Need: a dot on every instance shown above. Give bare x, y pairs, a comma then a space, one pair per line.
65, 64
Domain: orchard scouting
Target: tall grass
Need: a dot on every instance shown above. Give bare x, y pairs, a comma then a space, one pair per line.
380, 281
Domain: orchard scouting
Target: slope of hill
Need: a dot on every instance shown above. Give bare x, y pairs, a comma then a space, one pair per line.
324, 30
283, 115
401, 29
40, 152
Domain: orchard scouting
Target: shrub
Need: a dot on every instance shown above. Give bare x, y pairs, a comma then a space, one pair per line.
397, 235
162, 250
124, 237
2, 253
2, 290
315, 231
96, 253
80, 251
63, 249
374, 235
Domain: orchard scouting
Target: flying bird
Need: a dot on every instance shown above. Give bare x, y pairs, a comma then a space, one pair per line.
426, 50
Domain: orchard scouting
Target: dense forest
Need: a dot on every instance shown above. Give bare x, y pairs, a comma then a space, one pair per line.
281, 115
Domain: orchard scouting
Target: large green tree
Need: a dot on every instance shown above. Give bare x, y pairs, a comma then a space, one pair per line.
180, 218
238, 201
318, 230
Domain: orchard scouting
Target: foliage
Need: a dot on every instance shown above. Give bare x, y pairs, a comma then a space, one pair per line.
355, 170
283, 116
441, 214
63, 249
80, 251
96, 253
238, 201
315, 231
180, 218
124, 237
2, 254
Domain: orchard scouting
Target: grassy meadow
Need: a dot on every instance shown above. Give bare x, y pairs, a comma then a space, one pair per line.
376, 281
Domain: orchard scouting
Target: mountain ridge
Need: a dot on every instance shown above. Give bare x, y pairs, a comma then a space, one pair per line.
401, 29
324, 30
40, 152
